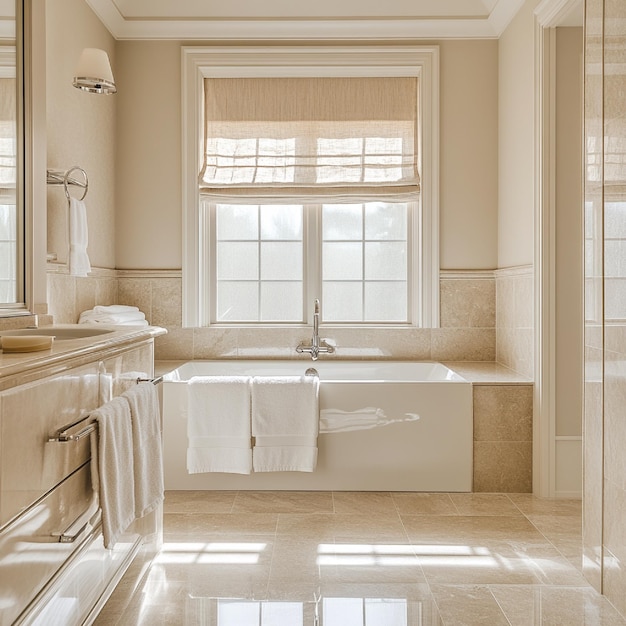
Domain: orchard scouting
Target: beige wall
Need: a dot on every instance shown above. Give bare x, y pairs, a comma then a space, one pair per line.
569, 310
148, 174
80, 128
469, 154
149, 215
516, 140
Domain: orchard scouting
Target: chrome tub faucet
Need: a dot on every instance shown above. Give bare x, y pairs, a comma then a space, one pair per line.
317, 346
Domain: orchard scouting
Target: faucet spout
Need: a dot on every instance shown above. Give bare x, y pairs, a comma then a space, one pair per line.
317, 345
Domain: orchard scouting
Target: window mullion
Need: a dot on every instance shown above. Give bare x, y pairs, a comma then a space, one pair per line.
313, 258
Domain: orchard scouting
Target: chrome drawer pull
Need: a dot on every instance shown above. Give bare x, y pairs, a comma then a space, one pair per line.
66, 537
63, 436
79, 526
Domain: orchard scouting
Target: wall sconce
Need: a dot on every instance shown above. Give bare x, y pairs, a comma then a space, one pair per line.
93, 73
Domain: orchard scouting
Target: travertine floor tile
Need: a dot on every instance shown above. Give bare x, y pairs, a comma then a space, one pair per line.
199, 501
437, 559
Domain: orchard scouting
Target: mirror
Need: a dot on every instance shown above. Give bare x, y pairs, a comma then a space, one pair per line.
12, 260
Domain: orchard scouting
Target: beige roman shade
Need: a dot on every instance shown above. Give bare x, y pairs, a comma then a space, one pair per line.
8, 140
288, 139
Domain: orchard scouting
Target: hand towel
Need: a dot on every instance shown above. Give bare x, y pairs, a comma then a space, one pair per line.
285, 423
79, 261
218, 424
114, 468
145, 416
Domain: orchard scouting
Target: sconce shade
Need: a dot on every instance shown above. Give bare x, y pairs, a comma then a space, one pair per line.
93, 73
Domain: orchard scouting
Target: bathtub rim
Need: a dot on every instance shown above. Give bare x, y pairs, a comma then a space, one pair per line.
451, 376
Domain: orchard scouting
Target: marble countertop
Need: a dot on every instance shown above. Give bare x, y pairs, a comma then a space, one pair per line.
15, 363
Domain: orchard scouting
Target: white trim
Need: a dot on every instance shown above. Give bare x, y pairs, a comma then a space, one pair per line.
501, 12
148, 273
569, 454
467, 274
254, 61
517, 270
550, 13
544, 419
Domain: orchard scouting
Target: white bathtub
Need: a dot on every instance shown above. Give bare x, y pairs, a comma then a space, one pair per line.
423, 441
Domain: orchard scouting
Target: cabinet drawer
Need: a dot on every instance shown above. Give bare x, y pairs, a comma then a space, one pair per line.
30, 548
30, 466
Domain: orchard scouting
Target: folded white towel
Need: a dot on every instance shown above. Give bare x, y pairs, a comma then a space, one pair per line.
79, 261
218, 424
147, 447
88, 317
120, 318
285, 423
114, 308
113, 461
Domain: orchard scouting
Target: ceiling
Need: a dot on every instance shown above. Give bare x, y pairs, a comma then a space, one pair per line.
322, 19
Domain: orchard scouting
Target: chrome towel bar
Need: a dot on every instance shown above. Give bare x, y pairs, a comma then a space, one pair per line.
63, 436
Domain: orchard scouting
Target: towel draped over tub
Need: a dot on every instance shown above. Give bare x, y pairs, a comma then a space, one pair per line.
225, 414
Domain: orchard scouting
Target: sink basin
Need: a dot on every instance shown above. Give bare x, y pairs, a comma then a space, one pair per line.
59, 332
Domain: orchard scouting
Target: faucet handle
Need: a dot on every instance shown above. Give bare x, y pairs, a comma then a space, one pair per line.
316, 306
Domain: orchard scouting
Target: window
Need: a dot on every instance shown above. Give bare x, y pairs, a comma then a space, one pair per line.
309, 185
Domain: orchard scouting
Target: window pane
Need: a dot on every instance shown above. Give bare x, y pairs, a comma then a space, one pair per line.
343, 611
237, 613
282, 614
342, 261
237, 222
385, 261
384, 220
237, 261
238, 301
281, 301
385, 612
385, 302
342, 221
281, 222
281, 261
342, 302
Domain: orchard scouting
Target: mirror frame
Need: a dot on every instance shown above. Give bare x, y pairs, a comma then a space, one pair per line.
21, 305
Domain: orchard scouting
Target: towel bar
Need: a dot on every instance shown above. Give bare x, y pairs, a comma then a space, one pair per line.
154, 381
62, 436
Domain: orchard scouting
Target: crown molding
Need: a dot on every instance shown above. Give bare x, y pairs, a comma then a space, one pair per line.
488, 27
550, 13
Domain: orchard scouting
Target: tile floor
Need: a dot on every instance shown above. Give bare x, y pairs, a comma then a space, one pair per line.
362, 559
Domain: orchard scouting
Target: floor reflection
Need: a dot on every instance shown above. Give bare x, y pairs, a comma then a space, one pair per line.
491, 559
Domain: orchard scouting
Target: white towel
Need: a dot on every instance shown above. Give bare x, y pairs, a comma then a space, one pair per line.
218, 424
114, 464
79, 261
147, 447
129, 317
285, 423
115, 308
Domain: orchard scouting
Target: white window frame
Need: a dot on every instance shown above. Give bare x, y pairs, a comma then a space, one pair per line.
199, 63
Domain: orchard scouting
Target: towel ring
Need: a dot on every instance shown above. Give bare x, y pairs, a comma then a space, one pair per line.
68, 180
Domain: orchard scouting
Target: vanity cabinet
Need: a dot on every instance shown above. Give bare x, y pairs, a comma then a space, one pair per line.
53, 565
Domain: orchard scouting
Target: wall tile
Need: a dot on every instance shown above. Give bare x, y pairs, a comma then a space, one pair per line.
177, 344
166, 302
503, 466
463, 344
503, 412
469, 303
136, 292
